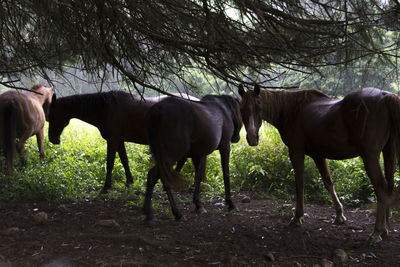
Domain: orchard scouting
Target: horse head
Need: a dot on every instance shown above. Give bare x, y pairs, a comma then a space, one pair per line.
46, 94
57, 122
251, 110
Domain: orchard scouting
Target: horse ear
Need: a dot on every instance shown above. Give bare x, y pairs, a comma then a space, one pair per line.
241, 90
257, 89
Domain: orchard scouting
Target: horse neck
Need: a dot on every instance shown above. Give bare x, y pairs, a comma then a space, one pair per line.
76, 107
277, 105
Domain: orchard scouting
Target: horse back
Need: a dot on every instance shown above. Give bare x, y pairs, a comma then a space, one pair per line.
340, 129
183, 127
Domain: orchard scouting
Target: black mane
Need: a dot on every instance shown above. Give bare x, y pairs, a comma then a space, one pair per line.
98, 101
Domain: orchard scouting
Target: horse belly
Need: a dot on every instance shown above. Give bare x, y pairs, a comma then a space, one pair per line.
334, 150
203, 146
329, 139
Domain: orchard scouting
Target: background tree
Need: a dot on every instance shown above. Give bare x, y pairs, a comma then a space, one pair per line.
156, 44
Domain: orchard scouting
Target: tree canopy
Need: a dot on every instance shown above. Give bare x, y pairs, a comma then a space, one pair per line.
154, 44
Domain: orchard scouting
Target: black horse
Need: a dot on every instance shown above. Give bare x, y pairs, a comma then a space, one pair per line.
119, 116
179, 129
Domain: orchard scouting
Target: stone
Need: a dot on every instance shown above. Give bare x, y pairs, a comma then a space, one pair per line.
326, 263
340, 255
269, 256
40, 217
11, 231
246, 199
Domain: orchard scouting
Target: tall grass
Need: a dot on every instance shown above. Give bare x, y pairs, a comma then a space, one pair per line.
76, 169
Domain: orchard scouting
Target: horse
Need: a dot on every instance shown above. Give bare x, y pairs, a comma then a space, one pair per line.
119, 116
178, 128
364, 123
22, 115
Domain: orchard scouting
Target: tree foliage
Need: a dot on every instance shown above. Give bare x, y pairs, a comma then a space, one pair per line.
156, 43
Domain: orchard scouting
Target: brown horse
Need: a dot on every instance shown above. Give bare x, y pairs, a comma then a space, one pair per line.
23, 114
180, 128
364, 123
119, 116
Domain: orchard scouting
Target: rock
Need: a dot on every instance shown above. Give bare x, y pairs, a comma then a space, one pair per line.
40, 217
326, 263
340, 256
11, 231
108, 223
60, 262
269, 256
246, 199
219, 205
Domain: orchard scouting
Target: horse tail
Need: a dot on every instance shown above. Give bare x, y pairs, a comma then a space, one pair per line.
392, 102
10, 134
159, 148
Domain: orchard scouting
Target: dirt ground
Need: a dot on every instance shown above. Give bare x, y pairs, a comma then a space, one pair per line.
110, 233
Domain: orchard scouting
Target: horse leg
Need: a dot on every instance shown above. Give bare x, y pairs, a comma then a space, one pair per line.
174, 209
297, 159
20, 147
389, 159
326, 178
224, 151
125, 163
151, 182
373, 169
111, 150
200, 167
39, 139
180, 164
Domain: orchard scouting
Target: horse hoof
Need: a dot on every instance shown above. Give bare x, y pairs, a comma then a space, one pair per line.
181, 218
232, 208
296, 222
340, 220
375, 238
150, 222
201, 210
104, 191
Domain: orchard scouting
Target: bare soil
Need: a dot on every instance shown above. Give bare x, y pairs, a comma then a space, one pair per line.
111, 233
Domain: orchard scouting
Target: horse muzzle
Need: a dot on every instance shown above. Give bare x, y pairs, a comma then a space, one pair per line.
235, 138
252, 139
55, 140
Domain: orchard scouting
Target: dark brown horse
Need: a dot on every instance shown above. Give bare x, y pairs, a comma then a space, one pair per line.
364, 123
179, 129
23, 114
119, 116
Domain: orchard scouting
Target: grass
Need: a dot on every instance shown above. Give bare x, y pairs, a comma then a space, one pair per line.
75, 170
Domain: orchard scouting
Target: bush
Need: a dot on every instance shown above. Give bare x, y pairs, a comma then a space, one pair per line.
76, 170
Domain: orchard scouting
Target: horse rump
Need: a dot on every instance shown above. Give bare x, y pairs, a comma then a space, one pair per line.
159, 138
9, 135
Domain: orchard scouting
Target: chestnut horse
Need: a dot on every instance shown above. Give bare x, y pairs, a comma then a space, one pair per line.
180, 128
364, 123
23, 114
119, 116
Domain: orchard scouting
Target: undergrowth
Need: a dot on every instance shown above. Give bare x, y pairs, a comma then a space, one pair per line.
76, 169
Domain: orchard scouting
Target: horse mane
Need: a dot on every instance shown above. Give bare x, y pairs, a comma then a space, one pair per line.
98, 100
94, 101
279, 102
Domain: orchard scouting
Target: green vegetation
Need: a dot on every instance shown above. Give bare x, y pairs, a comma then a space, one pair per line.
75, 170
